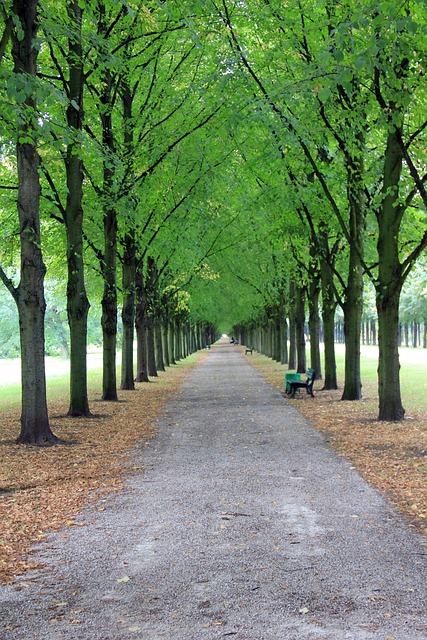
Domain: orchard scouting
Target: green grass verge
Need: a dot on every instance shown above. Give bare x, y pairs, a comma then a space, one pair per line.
413, 377
58, 386
413, 381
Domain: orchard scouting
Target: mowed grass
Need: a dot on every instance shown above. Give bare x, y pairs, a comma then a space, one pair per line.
413, 376
413, 379
57, 387
58, 384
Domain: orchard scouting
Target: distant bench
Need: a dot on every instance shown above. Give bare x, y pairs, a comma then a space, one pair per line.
249, 350
292, 385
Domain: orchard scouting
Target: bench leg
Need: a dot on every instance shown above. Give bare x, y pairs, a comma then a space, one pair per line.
293, 389
295, 385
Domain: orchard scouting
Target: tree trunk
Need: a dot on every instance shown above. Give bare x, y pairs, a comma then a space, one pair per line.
29, 296
109, 267
77, 301
328, 314
277, 340
283, 332
141, 327
129, 250
353, 305
171, 339
165, 334
151, 349
299, 329
128, 313
292, 332
159, 345
373, 332
329, 306
284, 357
178, 340
389, 286
152, 304
352, 325
314, 325
390, 403
109, 308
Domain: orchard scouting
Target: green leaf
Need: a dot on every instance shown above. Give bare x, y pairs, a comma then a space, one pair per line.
338, 55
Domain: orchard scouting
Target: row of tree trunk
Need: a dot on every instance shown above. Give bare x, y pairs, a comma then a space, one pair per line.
281, 335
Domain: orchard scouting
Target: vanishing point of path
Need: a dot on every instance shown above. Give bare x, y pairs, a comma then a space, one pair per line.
245, 524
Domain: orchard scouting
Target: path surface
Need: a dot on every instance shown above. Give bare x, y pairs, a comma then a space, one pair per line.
245, 524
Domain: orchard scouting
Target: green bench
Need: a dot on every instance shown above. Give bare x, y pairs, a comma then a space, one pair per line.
292, 385
291, 377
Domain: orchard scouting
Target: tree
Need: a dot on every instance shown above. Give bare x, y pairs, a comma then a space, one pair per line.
66, 56
29, 293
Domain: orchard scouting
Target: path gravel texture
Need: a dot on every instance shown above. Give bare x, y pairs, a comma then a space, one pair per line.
245, 524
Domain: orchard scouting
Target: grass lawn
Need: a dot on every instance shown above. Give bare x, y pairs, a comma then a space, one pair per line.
413, 378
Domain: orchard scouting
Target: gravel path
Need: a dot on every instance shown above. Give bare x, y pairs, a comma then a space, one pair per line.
245, 524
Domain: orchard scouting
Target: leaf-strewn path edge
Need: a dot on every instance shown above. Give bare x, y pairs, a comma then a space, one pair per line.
391, 456
42, 489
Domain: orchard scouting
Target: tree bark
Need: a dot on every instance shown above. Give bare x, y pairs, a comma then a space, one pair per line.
165, 334
151, 348
352, 324
390, 403
77, 301
353, 305
151, 295
109, 264
178, 340
292, 332
172, 341
109, 308
129, 251
277, 337
284, 357
283, 331
141, 327
128, 313
329, 305
389, 286
29, 295
159, 345
314, 325
299, 329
